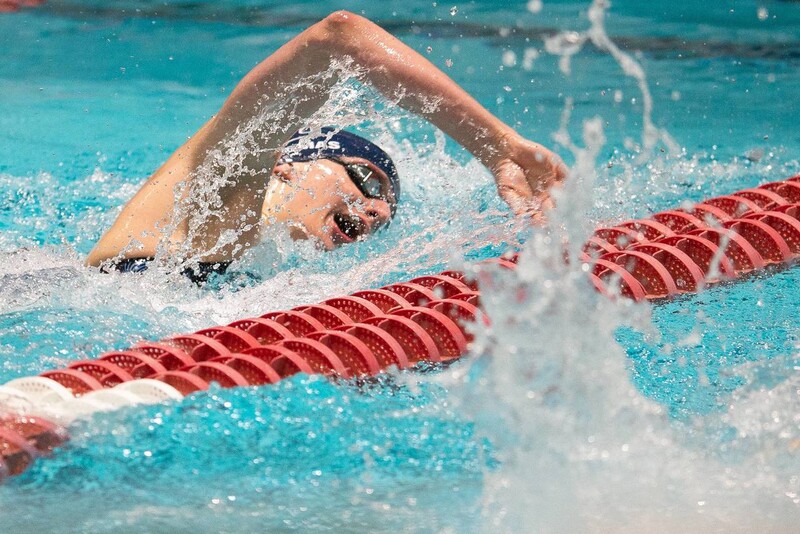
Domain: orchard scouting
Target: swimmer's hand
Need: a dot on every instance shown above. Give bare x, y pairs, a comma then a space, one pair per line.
525, 172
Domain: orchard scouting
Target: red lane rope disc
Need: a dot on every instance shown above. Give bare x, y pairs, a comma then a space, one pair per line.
678, 221
461, 277
321, 359
138, 364
596, 247
297, 322
788, 227
356, 308
384, 347
506, 264
385, 300
169, 356
234, 339
765, 198
710, 215
629, 285
687, 274
704, 253
447, 335
733, 205
651, 230
354, 353
654, 277
284, 361
329, 316
768, 242
266, 331
186, 383
106, 372
255, 370
619, 237
459, 311
744, 257
447, 285
416, 342
789, 191
415, 294
199, 347
225, 376
76, 381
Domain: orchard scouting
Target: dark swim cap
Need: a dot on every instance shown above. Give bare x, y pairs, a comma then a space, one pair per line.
332, 143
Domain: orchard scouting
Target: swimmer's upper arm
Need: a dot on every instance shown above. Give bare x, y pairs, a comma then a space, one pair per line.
140, 226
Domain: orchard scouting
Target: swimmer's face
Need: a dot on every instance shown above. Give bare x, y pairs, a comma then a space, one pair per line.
318, 200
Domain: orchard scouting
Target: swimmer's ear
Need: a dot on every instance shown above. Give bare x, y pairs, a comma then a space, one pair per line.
285, 172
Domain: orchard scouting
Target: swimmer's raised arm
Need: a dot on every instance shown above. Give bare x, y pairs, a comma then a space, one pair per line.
522, 169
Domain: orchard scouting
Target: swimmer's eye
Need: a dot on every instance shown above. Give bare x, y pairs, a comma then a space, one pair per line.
368, 182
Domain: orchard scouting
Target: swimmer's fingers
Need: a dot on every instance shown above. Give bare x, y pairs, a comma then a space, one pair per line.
525, 178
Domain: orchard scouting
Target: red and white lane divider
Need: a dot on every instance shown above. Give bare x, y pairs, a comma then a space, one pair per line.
667, 254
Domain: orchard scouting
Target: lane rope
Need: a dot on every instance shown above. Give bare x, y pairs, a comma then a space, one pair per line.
423, 320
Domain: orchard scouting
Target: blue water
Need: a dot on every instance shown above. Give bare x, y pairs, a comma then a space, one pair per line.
94, 98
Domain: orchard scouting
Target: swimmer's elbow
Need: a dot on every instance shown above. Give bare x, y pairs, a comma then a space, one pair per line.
342, 23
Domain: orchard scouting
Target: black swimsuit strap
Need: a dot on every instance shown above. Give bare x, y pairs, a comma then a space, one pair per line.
198, 275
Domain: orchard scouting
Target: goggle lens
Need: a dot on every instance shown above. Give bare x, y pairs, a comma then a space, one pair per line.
367, 181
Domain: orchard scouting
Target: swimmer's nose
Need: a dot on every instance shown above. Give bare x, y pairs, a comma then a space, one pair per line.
377, 213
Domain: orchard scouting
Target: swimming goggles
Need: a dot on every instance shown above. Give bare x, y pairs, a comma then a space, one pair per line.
370, 183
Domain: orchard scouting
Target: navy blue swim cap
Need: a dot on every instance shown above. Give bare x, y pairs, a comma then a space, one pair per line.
332, 143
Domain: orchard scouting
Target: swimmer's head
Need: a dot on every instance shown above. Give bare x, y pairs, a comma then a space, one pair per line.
340, 145
333, 186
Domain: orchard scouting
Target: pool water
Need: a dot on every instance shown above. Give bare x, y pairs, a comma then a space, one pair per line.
571, 412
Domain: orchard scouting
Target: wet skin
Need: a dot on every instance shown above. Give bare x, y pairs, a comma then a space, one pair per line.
318, 200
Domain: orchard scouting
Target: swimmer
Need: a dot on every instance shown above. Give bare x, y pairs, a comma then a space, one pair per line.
324, 184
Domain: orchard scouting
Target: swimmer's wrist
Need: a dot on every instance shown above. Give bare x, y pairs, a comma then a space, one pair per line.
496, 146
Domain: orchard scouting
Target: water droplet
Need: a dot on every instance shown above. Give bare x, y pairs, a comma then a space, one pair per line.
453, 11
509, 58
429, 49
531, 55
535, 6
448, 62
763, 13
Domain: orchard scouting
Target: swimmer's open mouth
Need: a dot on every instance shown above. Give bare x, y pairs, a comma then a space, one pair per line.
352, 226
